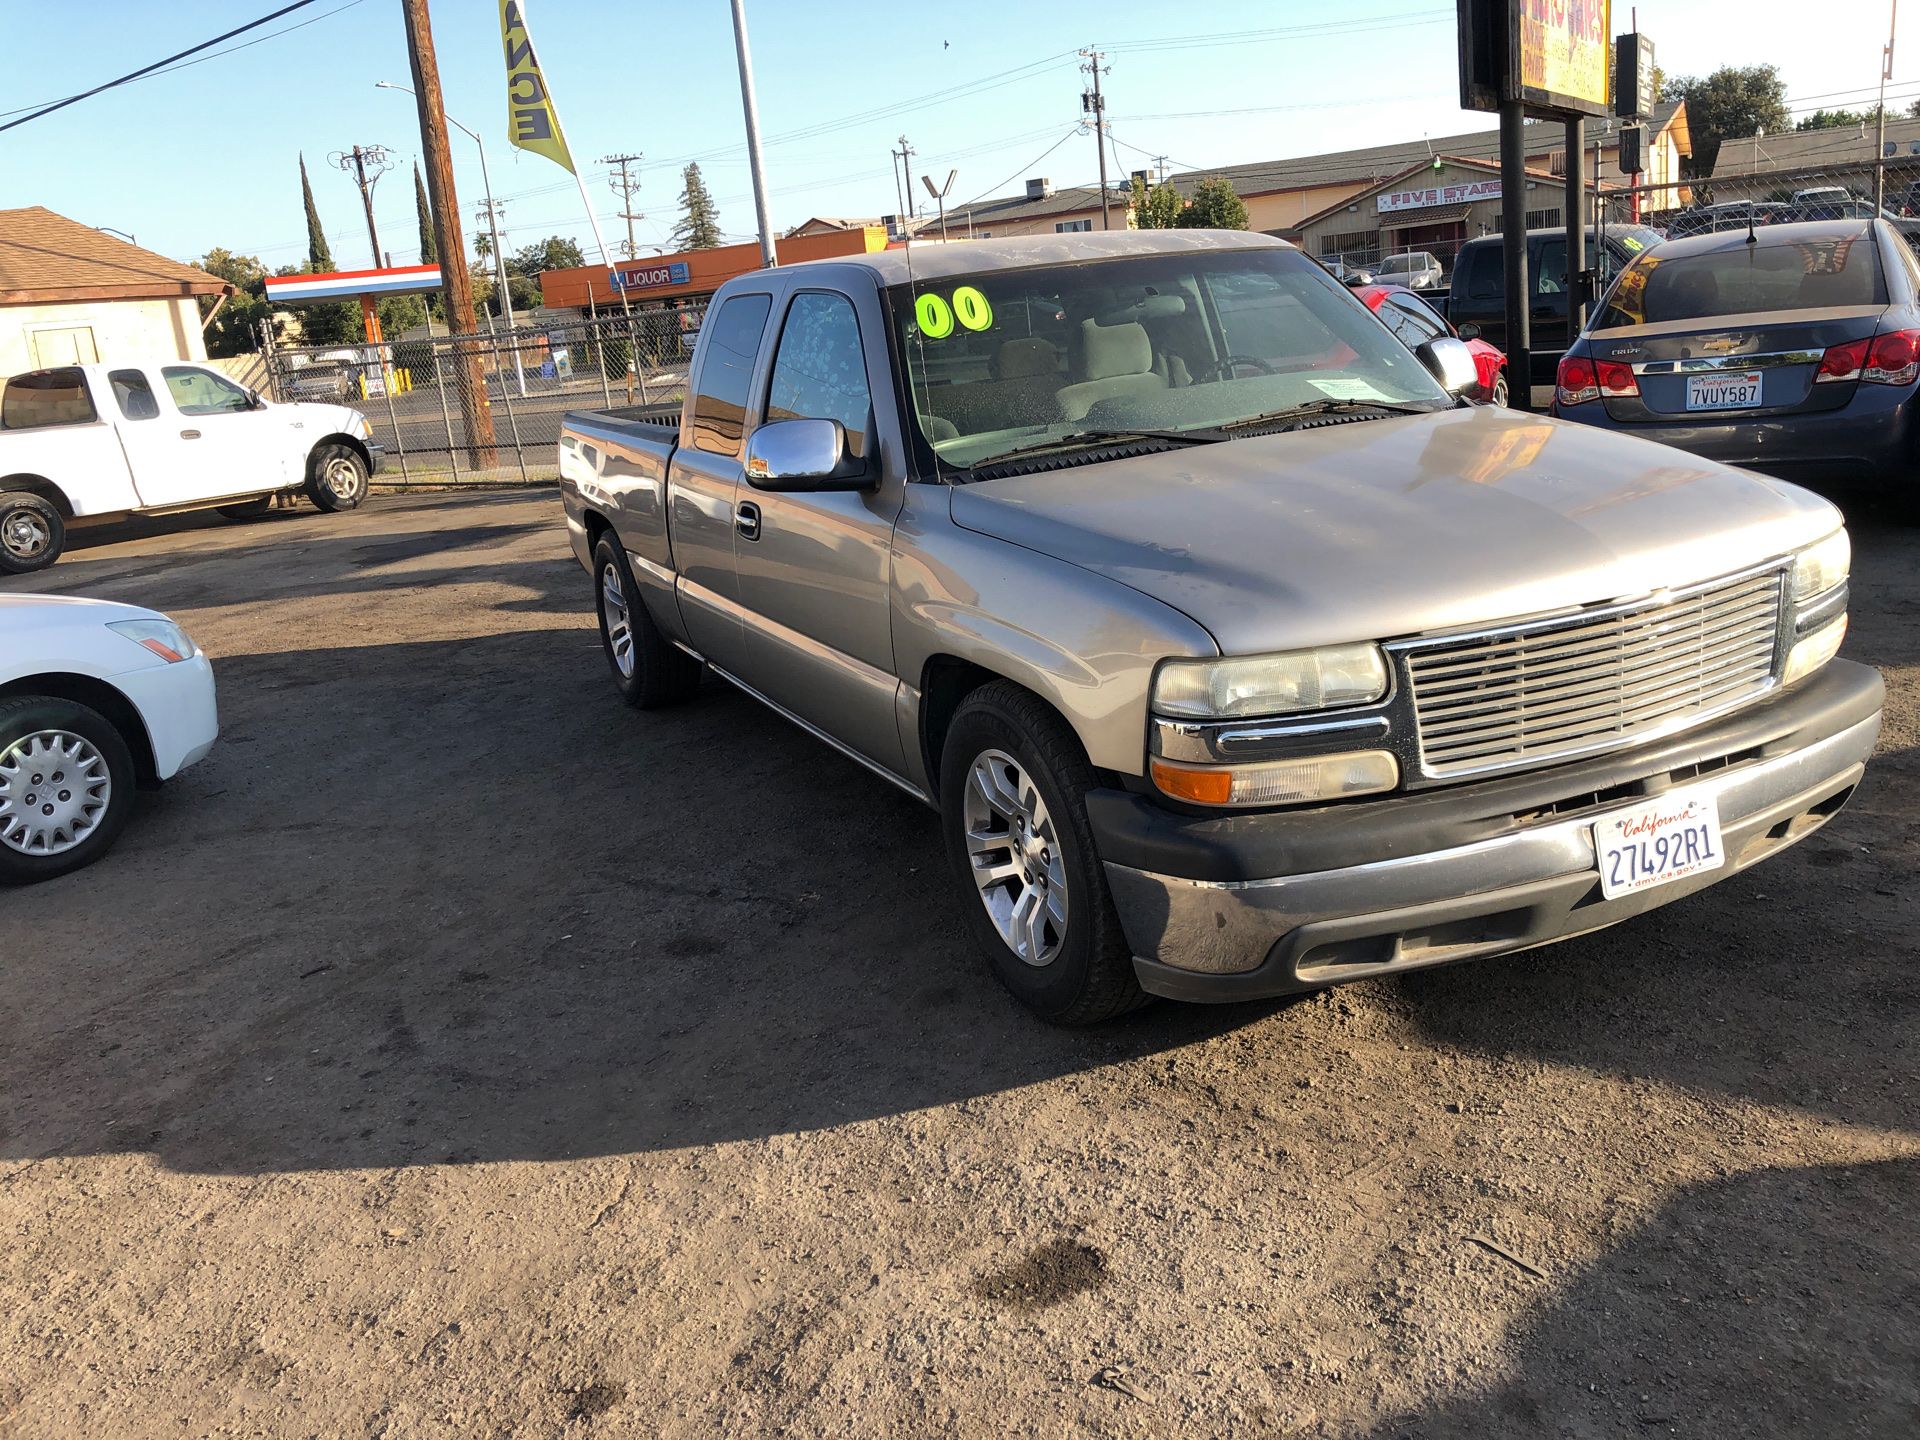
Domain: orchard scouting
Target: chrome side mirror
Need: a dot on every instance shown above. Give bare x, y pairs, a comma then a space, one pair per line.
800, 455
1451, 363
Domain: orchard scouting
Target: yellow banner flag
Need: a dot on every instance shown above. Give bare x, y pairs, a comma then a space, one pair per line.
532, 123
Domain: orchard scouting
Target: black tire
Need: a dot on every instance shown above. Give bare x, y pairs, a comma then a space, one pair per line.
32, 534
337, 478
28, 716
1090, 976
248, 509
1500, 393
652, 672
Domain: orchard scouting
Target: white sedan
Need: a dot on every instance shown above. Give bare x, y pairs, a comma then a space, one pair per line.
95, 699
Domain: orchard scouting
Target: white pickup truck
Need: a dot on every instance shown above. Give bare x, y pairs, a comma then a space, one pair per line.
91, 442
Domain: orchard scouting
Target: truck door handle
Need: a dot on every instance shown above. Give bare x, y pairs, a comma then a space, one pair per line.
746, 519
189, 434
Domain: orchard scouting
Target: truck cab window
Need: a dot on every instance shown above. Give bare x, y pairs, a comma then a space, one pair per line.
820, 371
46, 397
201, 392
720, 404
134, 395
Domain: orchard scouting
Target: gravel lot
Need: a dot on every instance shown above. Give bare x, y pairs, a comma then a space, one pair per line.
456, 1053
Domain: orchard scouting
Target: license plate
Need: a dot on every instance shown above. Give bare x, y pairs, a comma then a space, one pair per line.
1658, 842
1723, 391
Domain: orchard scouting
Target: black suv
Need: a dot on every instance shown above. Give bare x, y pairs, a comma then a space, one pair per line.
1477, 304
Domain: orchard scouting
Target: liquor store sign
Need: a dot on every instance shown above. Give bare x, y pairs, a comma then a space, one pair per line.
1432, 195
647, 277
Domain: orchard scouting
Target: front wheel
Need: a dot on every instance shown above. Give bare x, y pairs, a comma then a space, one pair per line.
1013, 785
66, 787
337, 478
32, 534
1499, 396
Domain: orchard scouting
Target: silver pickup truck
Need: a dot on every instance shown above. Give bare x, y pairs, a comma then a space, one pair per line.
1237, 654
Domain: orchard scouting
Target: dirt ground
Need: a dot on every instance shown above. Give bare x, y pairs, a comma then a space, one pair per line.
456, 1053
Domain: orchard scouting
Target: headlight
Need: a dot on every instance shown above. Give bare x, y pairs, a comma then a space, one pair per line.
162, 637
1279, 782
1815, 650
1818, 568
1283, 684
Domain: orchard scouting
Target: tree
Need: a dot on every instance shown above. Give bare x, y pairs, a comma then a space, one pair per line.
1829, 119
1914, 110
556, 252
699, 227
1732, 103
319, 257
1214, 206
1156, 209
429, 247
235, 330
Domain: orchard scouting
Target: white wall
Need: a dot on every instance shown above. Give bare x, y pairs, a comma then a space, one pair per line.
132, 330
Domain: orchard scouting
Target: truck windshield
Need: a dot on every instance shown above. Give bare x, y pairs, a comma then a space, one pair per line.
1011, 360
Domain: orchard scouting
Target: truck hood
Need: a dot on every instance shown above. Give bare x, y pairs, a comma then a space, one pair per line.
1386, 528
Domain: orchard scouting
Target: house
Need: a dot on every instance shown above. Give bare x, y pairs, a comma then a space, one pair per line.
72, 294
1041, 210
1762, 167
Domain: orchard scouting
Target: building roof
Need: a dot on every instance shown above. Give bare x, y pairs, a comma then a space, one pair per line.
1834, 145
1068, 200
1424, 166
46, 258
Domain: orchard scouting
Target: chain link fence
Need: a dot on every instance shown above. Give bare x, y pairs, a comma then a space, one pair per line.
486, 407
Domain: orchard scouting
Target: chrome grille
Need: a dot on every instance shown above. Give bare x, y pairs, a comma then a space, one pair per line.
1594, 681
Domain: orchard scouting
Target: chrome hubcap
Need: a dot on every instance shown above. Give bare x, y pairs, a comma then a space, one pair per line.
25, 535
613, 601
1015, 856
343, 478
54, 789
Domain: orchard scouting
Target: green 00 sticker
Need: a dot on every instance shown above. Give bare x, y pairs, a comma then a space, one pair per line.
935, 314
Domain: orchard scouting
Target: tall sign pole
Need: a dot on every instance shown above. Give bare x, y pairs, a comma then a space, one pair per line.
752, 110
1092, 102
475, 411
1880, 130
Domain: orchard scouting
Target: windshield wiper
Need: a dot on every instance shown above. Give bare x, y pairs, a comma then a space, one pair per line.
1314, 408
1077, 439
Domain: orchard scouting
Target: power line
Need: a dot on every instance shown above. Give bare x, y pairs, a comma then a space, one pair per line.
1030, 165
158, 64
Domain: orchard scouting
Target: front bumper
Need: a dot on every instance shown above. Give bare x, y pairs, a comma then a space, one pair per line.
1243, 906
376, 457
178, 706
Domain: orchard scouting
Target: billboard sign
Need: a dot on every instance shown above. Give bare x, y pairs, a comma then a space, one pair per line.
650, 277
1431, 195
1563, 53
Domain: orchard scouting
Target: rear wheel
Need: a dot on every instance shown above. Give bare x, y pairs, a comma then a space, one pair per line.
648, 669
1499, 396
32, 534
1013, 785
337, 478
66, 787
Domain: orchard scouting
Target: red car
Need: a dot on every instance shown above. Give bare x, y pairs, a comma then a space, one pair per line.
1416, 322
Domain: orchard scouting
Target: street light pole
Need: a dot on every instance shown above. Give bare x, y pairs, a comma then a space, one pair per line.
499, 259
747, 103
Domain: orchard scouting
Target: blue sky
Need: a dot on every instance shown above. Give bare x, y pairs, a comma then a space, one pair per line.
206, 155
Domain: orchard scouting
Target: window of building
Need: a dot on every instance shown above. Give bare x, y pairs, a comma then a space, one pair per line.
1067, 226
133, 394
820, 370
46, 397
1543, 219
720, 405
1352, 242
201, 392
63, 345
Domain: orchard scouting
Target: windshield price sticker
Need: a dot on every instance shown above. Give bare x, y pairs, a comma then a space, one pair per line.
936, 314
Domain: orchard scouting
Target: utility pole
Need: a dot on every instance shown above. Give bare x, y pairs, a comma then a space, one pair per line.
1880, 145
626, 187
903, 184
751, 109
475, 411
1092, 103
360, 160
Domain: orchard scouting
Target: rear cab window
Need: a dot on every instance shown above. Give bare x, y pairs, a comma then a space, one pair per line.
133, 393
46, 398
1748, 279
719, 406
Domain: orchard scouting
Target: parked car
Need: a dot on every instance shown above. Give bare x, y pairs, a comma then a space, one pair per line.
1416, 269
1732, 215
1477, 299
323, 383
93, 442
1235, 653
96, 699
1415, 321
1829, 202
1343, 272
1797, 353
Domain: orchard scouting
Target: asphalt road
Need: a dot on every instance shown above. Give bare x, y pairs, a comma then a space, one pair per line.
456, 1053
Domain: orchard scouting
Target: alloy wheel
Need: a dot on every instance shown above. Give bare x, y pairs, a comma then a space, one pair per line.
54, 791
613, 600
1015, 856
